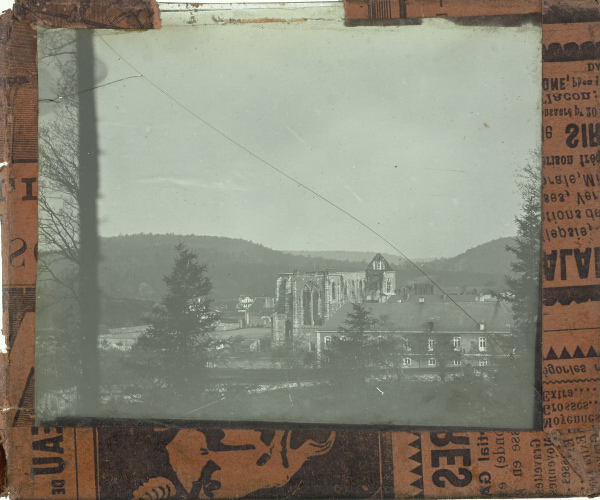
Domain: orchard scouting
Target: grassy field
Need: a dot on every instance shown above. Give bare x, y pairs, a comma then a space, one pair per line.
305, 396
255, 387
414, 403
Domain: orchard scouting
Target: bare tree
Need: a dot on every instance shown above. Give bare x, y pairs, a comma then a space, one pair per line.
67, 203
58, 199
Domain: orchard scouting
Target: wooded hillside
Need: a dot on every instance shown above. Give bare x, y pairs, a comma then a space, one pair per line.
133, 266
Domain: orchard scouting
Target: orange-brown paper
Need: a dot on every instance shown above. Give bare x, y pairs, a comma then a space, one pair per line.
571, 237
563, 459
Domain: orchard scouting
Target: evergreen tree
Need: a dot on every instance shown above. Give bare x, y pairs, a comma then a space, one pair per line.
351, 350
387, 350
524, 282
179, 338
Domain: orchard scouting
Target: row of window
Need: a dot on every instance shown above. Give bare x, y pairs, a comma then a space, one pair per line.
456, 343
432, 362
378, 265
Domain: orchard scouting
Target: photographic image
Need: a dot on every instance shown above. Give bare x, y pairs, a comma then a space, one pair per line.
290, 222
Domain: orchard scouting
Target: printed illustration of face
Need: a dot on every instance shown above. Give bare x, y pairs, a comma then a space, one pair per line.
240, 463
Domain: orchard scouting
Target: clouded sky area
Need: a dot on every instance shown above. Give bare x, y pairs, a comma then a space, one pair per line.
417, 131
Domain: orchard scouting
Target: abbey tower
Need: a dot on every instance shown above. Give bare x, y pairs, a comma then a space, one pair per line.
305, 300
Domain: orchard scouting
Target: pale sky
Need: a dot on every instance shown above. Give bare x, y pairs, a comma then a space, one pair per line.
417, 131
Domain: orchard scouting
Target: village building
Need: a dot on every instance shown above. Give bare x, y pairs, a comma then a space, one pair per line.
260, 312
231, 316
478, 332
244, 302
304, 301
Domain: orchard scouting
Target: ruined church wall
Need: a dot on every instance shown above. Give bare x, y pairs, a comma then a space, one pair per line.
334, 290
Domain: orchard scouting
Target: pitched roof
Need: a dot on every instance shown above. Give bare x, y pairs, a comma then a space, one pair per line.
380, 258
445, 315
260, 304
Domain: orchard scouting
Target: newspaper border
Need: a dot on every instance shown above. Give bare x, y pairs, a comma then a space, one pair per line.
570, 440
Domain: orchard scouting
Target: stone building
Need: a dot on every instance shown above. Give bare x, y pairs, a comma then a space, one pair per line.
305, 300
478, 331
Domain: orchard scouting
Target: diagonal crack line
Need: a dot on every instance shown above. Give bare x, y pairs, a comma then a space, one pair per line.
60, 98
201, 407
323, 198
300, 184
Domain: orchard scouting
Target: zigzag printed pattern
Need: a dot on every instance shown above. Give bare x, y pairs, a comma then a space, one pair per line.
20, 300
556, 52
25, 416
564, 295
570, 381
578, 353
418, 470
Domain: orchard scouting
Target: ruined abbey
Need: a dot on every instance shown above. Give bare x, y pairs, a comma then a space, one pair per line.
305, 300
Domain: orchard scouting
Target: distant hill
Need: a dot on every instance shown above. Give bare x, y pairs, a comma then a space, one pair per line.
491, 258
488, 258
484, 266
132, 266
346, 256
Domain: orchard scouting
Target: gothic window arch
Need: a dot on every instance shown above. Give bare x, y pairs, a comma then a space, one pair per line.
310, 304
306, 306
315, 307
281, 296
333, 291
